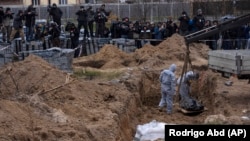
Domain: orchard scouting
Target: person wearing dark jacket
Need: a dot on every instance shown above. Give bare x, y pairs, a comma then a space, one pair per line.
91, 20
100, 19
30, 17
124, 28
41, 31
74, 37
82, 19
56, 14
1, 16
7, 21
18, 26
54, 33
184, 24
103, 10
199, 21
215, 37
1, 19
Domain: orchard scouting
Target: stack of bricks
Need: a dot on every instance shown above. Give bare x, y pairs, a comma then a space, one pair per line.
60, 58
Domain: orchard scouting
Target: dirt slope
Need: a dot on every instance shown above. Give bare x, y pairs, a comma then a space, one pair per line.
40, 102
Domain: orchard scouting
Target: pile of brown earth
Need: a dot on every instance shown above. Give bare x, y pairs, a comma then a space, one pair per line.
152, 59
40, 102
171, 50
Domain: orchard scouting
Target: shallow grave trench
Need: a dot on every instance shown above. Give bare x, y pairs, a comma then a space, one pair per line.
143, 107
93, 109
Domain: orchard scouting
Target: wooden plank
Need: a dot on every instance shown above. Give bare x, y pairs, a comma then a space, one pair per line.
221, 55
245, 72
245, 62
233, 53
223, 69
247, 58
223, 63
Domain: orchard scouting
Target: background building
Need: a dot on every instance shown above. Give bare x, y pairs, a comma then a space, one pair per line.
40, 2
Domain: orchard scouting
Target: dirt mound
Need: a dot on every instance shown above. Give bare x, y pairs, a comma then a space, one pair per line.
108, 57
171, 50
205, 89
28, 76
152, 59
40, 102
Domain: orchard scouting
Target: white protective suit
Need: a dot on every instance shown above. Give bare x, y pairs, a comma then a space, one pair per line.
187, 102
168, 83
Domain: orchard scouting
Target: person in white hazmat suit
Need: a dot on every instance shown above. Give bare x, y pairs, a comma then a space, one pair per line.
168, 83
187, 102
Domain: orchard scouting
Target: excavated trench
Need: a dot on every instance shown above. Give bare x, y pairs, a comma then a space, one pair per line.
146, 91
106, 113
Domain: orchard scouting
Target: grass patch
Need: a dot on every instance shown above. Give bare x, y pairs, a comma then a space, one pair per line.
96, 74
112, 75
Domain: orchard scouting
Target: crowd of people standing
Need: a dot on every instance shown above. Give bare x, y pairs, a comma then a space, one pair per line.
87, 17
12, 24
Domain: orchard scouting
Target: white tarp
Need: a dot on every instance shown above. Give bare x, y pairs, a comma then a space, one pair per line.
150, 131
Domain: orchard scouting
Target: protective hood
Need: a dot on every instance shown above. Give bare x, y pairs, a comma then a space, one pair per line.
172, 68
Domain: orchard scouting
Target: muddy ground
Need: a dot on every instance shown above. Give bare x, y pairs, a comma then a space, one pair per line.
110, 93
